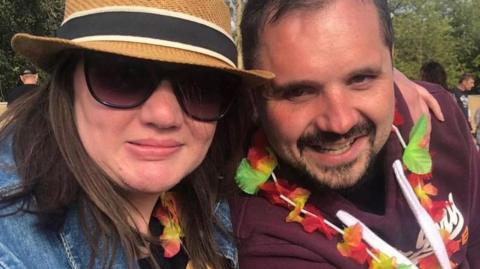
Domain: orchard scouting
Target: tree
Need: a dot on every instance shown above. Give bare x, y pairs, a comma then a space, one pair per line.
447, 31
40, 17
466, 24
422, 33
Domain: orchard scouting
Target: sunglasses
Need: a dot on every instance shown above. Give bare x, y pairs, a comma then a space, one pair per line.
123, 83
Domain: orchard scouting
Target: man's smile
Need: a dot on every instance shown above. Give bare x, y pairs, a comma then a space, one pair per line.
334, 148
337, 154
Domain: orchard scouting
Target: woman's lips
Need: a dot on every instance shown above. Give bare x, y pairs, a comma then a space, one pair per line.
152, 149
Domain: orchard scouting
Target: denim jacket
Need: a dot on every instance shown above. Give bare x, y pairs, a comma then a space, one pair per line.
24, 245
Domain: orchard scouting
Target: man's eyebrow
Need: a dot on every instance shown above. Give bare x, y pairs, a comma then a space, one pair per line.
368, 70
297, 84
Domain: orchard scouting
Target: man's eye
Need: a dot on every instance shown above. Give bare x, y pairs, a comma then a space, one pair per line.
359, 79
297, 94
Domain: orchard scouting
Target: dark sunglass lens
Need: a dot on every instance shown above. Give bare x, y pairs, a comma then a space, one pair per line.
206, 96
118, 81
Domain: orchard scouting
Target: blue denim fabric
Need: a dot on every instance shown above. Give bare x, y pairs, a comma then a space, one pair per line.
224, 238
24, 245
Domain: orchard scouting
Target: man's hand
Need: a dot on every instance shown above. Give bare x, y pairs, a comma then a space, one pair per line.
418, 99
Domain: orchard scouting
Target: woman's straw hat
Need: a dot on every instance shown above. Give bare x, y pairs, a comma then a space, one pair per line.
193, 32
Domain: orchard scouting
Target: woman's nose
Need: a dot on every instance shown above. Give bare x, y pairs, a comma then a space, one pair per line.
162, 108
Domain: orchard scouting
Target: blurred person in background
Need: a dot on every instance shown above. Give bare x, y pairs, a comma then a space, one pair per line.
465, 84
29, 82
434, 72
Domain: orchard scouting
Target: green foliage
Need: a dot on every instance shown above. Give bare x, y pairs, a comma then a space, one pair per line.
39, 17
447, 31
466, 23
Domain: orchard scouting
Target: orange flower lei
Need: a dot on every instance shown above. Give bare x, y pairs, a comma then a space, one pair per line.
254, 173
166, 213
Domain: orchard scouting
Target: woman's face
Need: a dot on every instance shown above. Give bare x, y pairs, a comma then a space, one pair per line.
146, 149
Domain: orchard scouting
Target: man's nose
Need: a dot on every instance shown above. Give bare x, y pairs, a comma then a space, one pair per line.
336, 111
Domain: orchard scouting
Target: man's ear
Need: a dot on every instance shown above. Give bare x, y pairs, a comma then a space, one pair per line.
22, 78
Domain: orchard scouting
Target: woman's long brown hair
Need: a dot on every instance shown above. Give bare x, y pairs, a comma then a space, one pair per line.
56, 170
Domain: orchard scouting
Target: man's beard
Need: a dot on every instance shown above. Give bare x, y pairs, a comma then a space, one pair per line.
340, 176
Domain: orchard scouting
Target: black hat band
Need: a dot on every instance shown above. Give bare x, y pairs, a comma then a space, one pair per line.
151, 28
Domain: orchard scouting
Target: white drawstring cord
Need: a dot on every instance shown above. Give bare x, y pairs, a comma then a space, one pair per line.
423, 218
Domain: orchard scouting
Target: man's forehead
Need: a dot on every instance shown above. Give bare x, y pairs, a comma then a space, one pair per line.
280, 9
366, 10
349, 10
318, 34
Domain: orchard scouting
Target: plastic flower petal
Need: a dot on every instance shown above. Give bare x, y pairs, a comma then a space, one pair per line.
259, 156
430, 189
429, 262
383, 262
261, 160
352, 245
424, 192
295, 215
299, 196
170, 240
269, 191
256, 169
166, 213
416, 179
272, 191
249, 179
312, 224
437, 210
416, 156
451, 245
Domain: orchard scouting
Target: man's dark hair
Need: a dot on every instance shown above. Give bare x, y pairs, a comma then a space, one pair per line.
434, 72
258, 13
29, 70
466, 76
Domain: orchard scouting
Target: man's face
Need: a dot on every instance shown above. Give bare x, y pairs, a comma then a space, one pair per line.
29, 78
332, 105
468, 84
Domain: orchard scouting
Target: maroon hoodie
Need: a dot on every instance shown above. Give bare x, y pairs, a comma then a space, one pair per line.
265, 240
